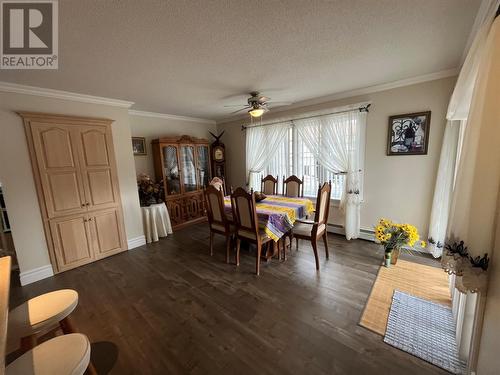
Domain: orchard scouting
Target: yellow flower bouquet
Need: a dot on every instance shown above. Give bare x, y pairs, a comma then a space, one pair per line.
394, 236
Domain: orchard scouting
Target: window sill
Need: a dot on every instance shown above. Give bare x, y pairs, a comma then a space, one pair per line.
333, 201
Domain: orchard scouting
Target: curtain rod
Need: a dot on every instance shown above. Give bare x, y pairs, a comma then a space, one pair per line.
365, 108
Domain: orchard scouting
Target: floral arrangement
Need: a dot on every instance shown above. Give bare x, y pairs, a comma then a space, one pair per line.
480, 262
149, 191
394, 236
471, 273
458, 248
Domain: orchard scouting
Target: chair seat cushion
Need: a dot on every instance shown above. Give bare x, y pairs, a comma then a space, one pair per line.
63, 355
251, 235
305, 229
41, 313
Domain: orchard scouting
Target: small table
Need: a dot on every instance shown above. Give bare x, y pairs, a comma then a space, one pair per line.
156, 222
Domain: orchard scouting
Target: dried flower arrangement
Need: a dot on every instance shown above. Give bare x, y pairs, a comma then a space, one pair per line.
149, 191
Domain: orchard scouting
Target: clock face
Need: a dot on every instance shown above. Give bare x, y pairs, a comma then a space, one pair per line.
219, 154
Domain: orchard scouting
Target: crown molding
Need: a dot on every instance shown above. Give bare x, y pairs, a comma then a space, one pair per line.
362, 91
64, 95
167, 116
385, 86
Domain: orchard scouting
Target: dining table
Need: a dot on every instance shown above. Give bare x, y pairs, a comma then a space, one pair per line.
277, 214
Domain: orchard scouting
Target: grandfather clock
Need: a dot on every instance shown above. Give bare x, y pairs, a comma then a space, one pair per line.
218, 158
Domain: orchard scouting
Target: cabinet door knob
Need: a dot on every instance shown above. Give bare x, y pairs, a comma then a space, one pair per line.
83, 204
87, 204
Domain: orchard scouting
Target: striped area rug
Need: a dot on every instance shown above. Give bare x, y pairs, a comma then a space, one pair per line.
424, 329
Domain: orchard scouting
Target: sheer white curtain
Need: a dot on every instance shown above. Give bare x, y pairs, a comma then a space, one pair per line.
475, 195
444, 187
261, 143
458, 112
335, 141
478, 176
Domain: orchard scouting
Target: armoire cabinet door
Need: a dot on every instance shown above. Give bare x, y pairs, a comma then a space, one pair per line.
97, 167
77, 185
106, 232
58, 166
72, 241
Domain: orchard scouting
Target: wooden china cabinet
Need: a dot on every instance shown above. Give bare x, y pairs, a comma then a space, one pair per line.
183, 164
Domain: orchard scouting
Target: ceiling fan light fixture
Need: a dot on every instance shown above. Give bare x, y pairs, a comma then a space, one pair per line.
256, 112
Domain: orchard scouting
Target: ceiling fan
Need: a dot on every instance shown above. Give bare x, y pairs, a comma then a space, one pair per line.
257, 105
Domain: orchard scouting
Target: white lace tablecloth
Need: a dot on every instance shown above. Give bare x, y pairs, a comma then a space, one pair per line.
156, 222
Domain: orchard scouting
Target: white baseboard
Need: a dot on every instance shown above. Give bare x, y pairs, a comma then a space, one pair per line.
132, 243
36, 274
364, 234
43, 272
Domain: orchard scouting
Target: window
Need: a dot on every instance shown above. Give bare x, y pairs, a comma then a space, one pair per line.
318, 148
293, 157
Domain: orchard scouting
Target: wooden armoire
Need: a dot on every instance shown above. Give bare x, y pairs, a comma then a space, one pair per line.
183, 164
76, 178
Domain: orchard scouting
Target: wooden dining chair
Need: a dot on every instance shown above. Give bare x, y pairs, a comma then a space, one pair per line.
313, 230
269, 185
219, 183
247, 224
293, 187
217, 219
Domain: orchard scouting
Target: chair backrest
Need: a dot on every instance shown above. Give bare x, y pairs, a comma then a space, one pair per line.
244, 212
293, 186
215, 207
219, 183
269, 185
322, 205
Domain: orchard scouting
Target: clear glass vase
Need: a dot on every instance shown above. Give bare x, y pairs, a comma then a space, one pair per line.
388, 258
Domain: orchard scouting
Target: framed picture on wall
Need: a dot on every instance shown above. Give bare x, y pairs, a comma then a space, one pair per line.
139, 145
409, 134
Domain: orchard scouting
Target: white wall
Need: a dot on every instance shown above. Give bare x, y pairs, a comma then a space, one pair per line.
17, 178
488, 358
157, 127
396, 187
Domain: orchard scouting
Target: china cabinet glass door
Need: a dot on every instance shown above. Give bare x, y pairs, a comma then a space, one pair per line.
171, 170
203, 165
188, 169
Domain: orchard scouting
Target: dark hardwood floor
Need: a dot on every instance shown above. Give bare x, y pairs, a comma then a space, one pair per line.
170, 308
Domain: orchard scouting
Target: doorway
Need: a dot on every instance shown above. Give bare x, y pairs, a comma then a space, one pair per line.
6, 242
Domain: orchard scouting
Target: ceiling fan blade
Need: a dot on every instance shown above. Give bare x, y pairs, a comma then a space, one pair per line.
263, 99
233, 105
281, 103
240, 110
